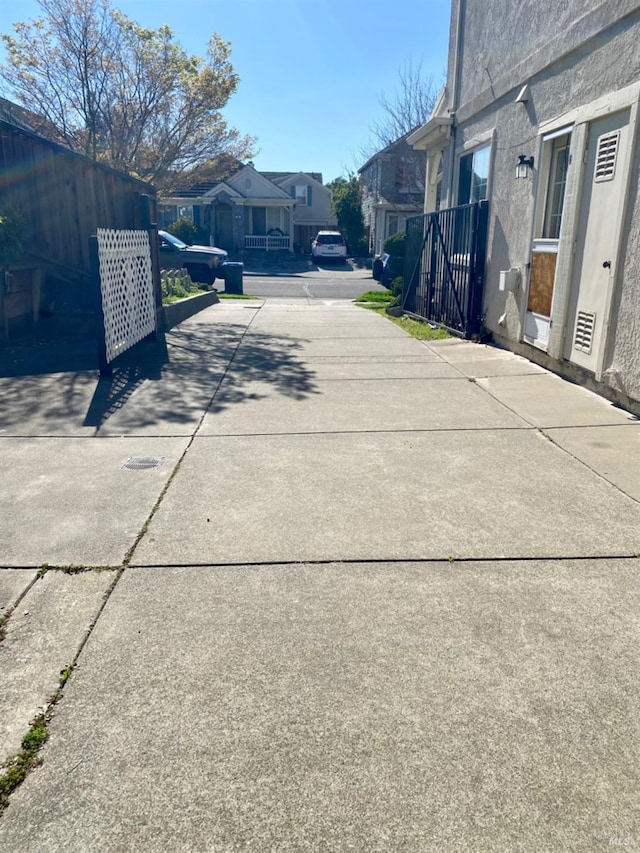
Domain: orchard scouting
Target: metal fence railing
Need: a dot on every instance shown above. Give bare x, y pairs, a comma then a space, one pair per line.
444, 267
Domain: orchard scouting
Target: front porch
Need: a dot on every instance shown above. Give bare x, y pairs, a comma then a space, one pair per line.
268, 242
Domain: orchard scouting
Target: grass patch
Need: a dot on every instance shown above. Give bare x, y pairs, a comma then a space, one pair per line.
65, 673
223, 295
16, 768
67, 568
3, 624
416, 328
377, 297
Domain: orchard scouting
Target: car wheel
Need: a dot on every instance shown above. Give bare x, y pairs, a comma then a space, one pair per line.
200, 273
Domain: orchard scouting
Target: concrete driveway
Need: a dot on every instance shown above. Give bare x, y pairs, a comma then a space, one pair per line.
355, 592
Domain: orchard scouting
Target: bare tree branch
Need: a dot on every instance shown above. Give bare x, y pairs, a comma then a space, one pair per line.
123, 94
409, 106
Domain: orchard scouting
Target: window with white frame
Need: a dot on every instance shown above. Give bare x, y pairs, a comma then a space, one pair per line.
300, 195
556, 157
473, 181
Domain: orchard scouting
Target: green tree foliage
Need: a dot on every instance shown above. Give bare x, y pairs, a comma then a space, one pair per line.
346, 200
395, 244
123, 94
185, 229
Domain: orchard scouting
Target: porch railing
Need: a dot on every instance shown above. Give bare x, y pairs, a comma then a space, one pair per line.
267, 242
445, 266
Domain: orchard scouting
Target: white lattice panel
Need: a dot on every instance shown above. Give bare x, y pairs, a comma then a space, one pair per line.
126, 283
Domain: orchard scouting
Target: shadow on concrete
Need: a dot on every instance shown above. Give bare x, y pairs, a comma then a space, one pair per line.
155, 386
207, 369
261, 358
37, 358
142, 363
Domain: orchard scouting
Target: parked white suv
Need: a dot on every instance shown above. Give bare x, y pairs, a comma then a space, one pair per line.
329, 244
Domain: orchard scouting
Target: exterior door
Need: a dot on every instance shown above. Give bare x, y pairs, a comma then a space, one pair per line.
597, 239
546, 244
224, 227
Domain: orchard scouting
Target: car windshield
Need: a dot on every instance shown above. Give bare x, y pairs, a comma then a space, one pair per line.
329, 239
173, 240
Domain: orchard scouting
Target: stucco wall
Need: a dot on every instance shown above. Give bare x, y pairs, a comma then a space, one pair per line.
492, 75
623, 358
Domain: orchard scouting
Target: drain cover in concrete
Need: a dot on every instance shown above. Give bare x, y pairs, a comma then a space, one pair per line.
142, 463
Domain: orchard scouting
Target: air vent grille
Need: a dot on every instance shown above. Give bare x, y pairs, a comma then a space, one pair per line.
584, 331
606, 156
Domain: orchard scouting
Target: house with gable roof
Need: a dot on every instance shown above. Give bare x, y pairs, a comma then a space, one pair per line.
255, 210
392, 183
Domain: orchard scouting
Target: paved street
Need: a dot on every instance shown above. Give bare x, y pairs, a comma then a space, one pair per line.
342, 590
326, 281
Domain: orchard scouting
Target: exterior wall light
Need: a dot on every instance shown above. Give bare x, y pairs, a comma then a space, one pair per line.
523, 166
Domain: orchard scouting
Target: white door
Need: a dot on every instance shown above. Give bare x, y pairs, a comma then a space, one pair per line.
597, 241
546, 244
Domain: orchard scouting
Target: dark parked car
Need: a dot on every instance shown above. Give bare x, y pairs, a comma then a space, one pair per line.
203, 263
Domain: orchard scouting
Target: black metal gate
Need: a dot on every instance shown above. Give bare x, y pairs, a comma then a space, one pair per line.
444, 267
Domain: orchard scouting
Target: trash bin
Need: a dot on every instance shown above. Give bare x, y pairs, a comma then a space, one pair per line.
233, 277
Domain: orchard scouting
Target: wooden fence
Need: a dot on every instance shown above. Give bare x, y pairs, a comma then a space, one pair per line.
64, 197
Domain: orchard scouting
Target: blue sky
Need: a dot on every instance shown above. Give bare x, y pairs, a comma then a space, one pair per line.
311, 73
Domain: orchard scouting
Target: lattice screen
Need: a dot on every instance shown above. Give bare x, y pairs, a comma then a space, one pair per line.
126, 283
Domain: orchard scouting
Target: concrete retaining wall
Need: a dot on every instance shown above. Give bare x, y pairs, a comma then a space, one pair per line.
176, 312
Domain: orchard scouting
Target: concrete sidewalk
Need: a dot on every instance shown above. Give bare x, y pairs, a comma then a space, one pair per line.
377, 595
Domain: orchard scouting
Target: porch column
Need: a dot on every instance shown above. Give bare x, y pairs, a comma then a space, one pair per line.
434, 159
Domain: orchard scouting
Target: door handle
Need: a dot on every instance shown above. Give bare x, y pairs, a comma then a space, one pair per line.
606, 265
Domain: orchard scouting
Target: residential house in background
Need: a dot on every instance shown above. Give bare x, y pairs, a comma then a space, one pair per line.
255, 210
312, 212
540, 117
392, 190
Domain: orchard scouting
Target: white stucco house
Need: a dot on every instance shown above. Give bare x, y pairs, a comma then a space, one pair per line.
540, 117
256, 210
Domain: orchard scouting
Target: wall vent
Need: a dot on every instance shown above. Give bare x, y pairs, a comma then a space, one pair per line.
584, 331
606, 156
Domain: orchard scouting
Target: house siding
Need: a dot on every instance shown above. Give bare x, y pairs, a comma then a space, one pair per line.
572, 56
392, 184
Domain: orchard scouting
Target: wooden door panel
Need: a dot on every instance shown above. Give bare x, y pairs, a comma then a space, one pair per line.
543, 273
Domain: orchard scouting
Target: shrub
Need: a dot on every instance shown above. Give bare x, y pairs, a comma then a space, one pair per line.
360, 249
185, 229
396, 286
395, 246
177, 284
